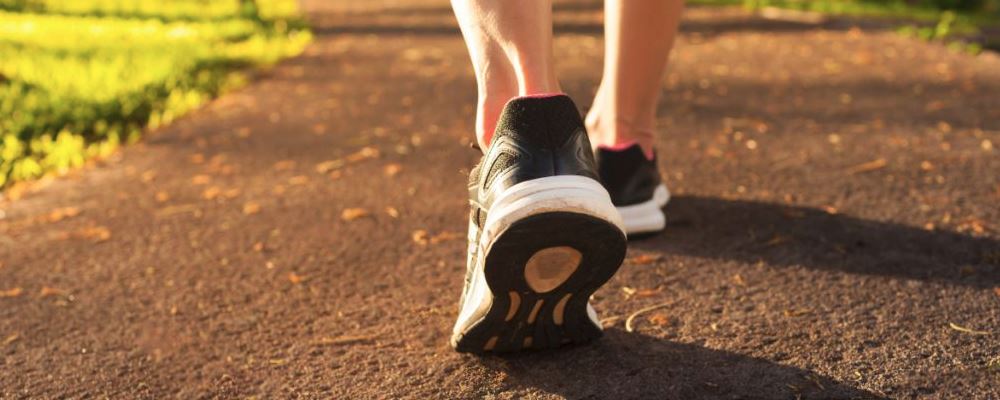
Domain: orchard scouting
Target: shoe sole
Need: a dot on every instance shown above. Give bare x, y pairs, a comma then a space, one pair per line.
646, 217
558, 243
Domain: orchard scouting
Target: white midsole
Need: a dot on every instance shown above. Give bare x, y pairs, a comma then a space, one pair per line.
568, 193
647, 216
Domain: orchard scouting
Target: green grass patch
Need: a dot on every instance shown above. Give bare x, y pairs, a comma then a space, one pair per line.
80, 77
962, 12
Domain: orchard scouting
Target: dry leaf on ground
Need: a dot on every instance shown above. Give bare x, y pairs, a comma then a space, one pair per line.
211, 193
50, 291
351, 214
347, 339
250, 208
60, 214
364, 154
327, 166
14, 292
201, 179
644, 259
392, 169
96, 233
392, 211
445, 236
296, 278
11, 339
284, 165
868, 166
420, 237
960, 328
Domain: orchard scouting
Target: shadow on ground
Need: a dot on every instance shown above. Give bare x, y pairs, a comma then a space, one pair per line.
631, 366
781, 235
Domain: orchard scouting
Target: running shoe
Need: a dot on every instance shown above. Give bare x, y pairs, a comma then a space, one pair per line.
543, 234
632, 178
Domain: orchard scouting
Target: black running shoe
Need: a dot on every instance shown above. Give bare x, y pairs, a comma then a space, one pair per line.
636, 189
543, 234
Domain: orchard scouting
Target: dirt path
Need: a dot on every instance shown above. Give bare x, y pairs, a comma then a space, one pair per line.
835, 211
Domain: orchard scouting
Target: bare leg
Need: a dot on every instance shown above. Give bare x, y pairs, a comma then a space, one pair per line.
510, 43
638, 36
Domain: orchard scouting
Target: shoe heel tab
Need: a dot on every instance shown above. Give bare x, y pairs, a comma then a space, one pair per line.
547, 120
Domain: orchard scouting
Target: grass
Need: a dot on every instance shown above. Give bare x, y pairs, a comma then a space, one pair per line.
928, 19
80, 77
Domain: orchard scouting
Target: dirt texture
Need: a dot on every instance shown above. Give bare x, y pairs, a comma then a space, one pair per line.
834, 231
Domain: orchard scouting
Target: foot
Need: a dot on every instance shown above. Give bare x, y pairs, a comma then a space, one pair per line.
632, 178
543, 234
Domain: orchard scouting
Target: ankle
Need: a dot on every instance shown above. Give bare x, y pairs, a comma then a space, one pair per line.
619, 133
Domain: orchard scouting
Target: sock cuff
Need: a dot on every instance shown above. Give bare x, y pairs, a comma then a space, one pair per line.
623, 146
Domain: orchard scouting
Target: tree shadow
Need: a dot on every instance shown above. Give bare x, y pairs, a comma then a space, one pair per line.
781, 235
635, 366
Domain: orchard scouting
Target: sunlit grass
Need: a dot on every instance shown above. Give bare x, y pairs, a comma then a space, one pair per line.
77, 78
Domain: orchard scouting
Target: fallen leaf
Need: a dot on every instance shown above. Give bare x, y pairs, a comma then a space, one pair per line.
347, 339
211, 193
629, 322
97, 233
796, 312
197, 158
644, 259
393, 169
327, 166
148, 176
659, 319
419, 237
445, 236
960, 328
201, 179
284, 165
738, 279
364, 154
351, 214
776, 240
258, 247
648, 292
60, 214
15, 292
11, 339
298, 180
392, 211
162, 196
295, 278
50, 291
231, 193
251, 208
868, 166
996, 291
